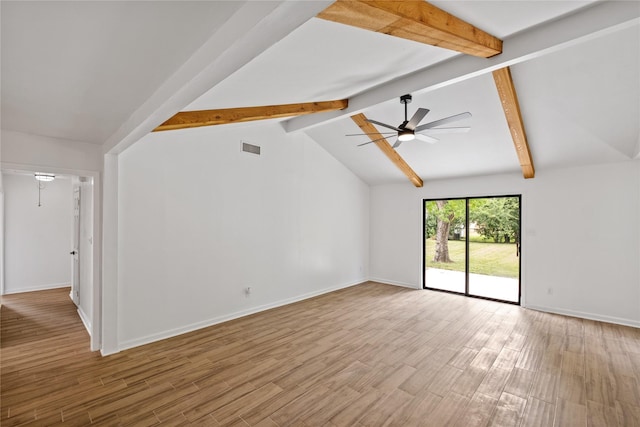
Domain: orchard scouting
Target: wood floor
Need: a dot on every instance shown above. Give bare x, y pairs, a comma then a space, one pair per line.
370, 355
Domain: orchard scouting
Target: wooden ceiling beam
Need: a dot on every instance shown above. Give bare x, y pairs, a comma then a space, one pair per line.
193, 119
511, 107
414, 20
386, 148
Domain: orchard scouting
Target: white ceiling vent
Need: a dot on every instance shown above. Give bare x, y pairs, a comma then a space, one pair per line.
250, 148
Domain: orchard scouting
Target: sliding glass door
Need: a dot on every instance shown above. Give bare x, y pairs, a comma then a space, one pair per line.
472, 246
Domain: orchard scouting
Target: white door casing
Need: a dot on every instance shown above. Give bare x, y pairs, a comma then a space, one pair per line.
75, 258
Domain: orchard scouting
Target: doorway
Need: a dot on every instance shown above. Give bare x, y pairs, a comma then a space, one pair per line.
74, 234
472, 246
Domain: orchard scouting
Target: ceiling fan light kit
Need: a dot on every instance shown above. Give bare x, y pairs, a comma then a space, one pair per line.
406, 135
409, 130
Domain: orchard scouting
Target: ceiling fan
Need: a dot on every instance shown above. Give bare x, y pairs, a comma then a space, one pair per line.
409, 129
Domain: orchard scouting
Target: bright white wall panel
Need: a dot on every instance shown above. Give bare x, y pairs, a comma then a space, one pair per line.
35, 150
37, 239
199, 221
579, 236
583, 242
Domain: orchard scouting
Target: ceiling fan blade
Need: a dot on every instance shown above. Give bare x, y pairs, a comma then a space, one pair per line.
369, 142
397, 143
377, 133
426, 138
383, 125
436, 131
417, 118
444, 121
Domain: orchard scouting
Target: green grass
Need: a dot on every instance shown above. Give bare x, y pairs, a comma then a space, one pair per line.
492, 259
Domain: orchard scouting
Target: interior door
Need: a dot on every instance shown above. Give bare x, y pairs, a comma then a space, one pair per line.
75, 260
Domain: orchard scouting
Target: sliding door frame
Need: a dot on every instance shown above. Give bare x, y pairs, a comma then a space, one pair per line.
466, 246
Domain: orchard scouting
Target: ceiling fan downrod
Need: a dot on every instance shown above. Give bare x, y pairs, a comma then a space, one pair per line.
405, 134
405, 99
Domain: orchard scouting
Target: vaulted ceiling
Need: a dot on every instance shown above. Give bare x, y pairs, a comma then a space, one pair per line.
110, 72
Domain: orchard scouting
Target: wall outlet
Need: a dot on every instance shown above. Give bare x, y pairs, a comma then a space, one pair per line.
247, 291
549, 291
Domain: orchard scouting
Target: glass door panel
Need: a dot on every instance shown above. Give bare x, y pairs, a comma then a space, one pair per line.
445, 248
494, 248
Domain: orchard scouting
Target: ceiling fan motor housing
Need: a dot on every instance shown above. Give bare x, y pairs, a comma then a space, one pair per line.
405, 99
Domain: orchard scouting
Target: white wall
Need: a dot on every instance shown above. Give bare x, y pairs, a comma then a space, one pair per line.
37, 239
36, 150
580, 236
199, 221
1, 230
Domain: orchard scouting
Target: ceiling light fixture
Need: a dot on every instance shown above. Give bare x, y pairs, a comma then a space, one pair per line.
45, 177
42, 178
406, 135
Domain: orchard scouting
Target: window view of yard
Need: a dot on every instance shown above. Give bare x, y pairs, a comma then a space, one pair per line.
495, 259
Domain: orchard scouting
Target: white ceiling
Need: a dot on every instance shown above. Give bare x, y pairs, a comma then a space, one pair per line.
580, 106
77, 70
320, 61
323, 60
101, 72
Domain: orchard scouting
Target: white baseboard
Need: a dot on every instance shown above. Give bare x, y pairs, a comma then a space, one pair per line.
395, 283
226, 317
85, 320
584, 315
38, 288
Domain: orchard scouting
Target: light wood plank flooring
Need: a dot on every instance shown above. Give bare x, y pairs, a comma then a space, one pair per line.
370, 355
